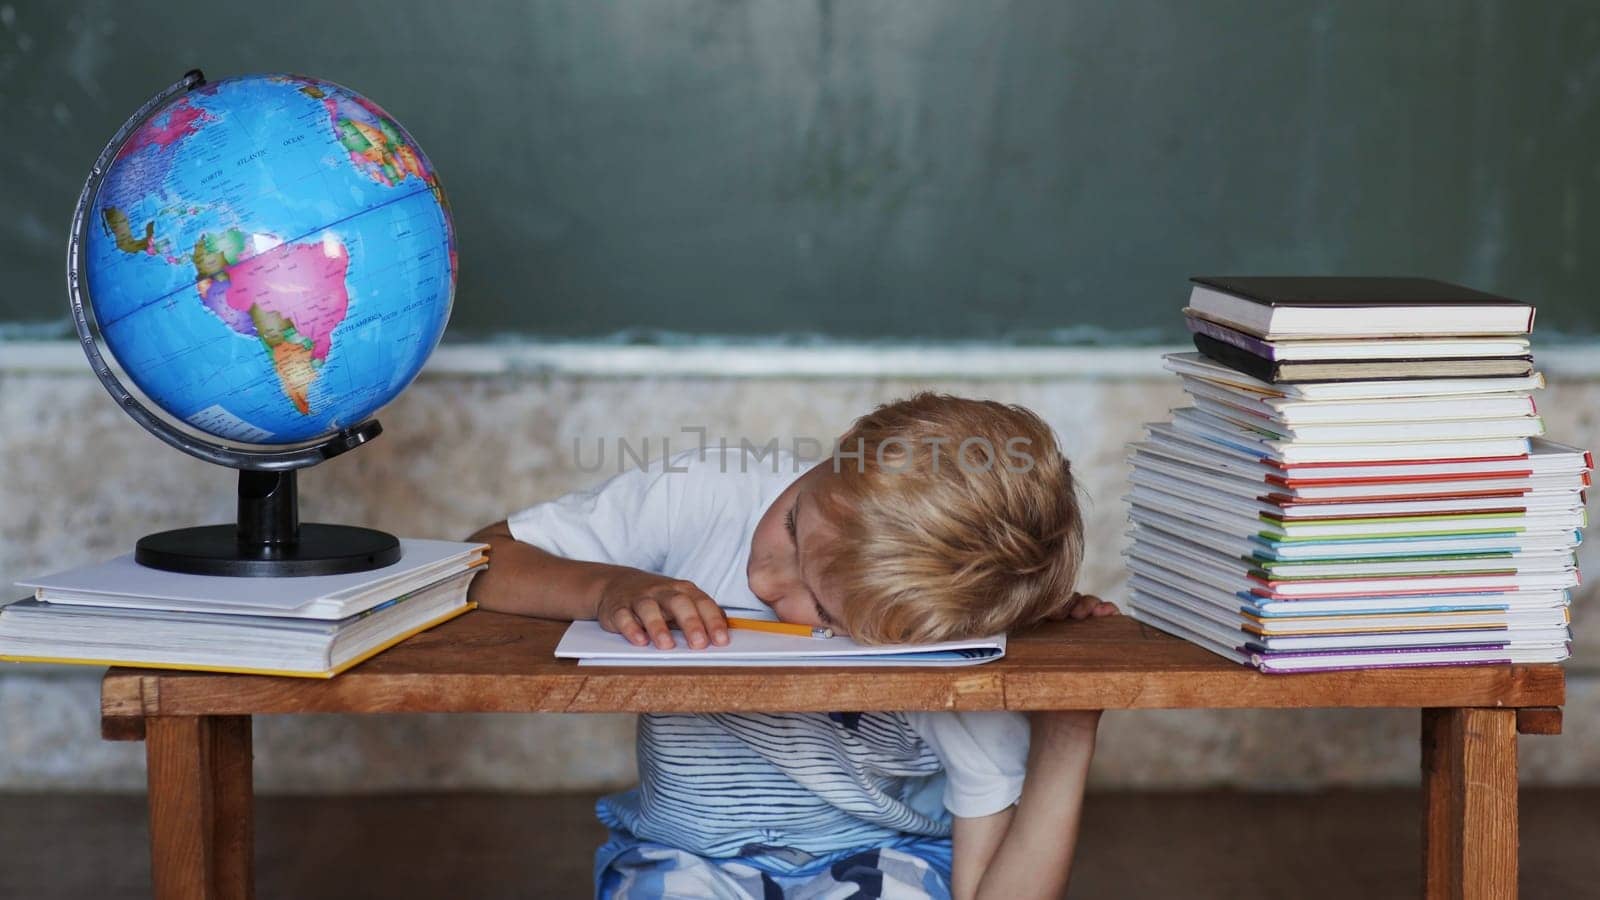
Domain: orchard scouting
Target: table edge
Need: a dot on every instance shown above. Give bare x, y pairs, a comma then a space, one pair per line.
140, 692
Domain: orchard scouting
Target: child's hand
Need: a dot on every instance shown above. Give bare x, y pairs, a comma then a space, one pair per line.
641, 605
1083, 606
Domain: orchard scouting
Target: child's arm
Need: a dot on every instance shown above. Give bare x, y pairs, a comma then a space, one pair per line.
526, 580
1026, 850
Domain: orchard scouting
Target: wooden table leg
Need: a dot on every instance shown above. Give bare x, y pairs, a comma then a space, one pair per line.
1469, 786
202, 826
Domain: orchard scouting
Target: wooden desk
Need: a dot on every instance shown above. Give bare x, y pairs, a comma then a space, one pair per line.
196, 726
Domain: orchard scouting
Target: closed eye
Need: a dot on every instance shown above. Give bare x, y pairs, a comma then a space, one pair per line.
823, 614
794, 535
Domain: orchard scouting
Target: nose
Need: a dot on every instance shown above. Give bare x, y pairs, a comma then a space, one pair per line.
761, 586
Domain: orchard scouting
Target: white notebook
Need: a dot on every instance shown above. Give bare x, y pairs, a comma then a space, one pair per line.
1245, 496
1387, 409
1384, 432
1289, 451
123, 583
592, 645
1544, 457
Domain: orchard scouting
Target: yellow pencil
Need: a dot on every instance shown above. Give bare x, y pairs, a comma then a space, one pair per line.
780, 628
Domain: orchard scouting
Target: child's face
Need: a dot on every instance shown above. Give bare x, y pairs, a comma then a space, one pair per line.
786, 555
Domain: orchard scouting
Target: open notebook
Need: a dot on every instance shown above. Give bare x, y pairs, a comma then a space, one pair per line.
592, 645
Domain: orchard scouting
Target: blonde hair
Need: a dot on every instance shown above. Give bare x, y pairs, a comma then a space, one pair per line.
955, 517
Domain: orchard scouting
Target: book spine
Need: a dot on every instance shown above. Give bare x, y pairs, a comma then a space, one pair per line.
1395, 369
1248, 343
1236, 358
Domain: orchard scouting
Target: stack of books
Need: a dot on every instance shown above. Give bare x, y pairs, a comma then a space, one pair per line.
123, 614
1361, 481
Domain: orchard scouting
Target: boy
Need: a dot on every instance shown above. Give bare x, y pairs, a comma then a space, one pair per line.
936, 518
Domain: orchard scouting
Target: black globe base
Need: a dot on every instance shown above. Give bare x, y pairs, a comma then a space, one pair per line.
217, 550
268, 541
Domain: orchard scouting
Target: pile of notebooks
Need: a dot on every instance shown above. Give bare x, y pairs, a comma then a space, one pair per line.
122, 613
1360, 481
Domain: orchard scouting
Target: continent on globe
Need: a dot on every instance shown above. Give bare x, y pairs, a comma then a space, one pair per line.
122, 231
149, 152
288, 295
376, 144
174, 124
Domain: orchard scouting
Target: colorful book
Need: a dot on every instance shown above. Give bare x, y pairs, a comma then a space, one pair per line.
1224, 643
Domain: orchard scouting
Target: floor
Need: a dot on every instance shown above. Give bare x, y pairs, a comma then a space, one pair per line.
1144, 845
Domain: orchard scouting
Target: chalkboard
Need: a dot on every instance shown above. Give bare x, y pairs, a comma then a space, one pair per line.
963, 169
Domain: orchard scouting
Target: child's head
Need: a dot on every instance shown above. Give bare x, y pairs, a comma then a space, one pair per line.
937, 518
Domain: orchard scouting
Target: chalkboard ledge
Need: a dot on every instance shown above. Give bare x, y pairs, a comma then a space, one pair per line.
756, 360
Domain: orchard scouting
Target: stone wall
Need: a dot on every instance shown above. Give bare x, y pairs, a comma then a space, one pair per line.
79, 481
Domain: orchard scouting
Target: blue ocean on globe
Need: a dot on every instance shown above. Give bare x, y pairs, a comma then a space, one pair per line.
270, 258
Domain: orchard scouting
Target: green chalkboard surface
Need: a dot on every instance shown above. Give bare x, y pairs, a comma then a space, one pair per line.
902, 169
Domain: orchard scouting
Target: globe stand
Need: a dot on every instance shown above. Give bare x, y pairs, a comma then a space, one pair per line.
268, 539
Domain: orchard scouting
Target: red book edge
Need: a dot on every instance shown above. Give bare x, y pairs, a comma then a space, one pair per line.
1391, 479
1286, 500
1267, 591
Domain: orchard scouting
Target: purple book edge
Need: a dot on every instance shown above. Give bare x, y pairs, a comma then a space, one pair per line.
1263, 660
1249, 343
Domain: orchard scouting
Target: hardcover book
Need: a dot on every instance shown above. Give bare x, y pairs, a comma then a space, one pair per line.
1337, 306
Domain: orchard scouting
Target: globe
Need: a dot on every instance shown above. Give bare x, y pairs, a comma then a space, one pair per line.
269, 258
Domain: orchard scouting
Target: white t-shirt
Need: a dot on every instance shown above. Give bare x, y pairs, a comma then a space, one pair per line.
692, 517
